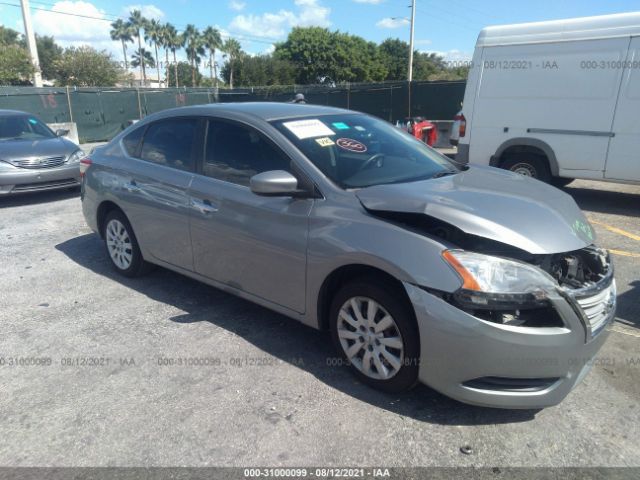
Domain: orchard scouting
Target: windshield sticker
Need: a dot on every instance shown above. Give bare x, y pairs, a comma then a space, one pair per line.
340, 126
325, 142
360, 129
351, 145
33, 121
308, 128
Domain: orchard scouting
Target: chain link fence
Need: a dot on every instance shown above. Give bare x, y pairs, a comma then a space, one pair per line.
100, 113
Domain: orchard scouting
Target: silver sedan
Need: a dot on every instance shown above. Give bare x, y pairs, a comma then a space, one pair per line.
483, 284
33, 157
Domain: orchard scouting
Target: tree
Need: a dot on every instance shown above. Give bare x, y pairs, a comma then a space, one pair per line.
15, 65
48, 52
260, 70
153, 35
194, 48
174, 41
426, 66
212, 42
137, 22
184, 73
86, 67
8, 36
322, 56
121, 31
148, 59
233, 50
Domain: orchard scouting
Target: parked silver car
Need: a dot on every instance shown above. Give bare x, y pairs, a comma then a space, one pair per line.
33, 157
483, 284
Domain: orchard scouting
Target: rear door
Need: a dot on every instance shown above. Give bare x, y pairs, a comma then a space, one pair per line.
156, 189
623, 159
249, 242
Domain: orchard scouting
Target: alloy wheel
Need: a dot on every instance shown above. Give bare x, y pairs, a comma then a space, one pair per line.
119, 244
370, 338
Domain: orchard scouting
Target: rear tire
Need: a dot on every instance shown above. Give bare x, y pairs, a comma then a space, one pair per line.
382, 351
528, 165
122, 246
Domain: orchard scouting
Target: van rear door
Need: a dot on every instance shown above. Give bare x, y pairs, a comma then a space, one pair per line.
623, 159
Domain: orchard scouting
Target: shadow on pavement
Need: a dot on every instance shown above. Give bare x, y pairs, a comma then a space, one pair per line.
605, 201
628, 311
35, 198
284, 338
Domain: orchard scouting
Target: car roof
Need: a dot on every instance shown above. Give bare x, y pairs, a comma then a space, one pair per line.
264, 110
10, 113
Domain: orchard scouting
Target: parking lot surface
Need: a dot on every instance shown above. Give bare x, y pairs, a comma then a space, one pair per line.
99, 370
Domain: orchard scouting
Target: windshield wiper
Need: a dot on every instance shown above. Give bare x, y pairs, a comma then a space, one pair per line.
444, 173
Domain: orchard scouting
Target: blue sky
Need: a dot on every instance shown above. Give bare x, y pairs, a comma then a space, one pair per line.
449, 27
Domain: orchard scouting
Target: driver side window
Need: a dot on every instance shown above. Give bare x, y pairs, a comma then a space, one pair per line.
234, 153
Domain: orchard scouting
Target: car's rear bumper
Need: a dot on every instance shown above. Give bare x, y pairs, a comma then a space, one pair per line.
487, 364
21, 180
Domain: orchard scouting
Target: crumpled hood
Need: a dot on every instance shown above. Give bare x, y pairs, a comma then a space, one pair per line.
47, 147
494, 204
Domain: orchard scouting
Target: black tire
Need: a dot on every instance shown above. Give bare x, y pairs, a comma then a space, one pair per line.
393, 300
561, 181
137, 265
535, 166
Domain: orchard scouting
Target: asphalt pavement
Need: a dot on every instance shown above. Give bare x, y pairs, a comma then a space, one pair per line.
99, 370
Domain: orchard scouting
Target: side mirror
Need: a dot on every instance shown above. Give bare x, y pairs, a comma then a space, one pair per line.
61, 132
274, 183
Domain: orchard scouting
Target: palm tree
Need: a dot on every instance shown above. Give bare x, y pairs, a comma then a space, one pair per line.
153, 34
121, 31
164, 43
232, 48
137, 22
146, 55
193, 46
173, 41
212, 41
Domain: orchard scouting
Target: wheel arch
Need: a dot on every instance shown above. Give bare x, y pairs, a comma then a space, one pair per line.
526, 145
103, 210
345, 274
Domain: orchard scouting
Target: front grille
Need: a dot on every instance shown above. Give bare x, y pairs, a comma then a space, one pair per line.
599, 308
44, 162
32, 187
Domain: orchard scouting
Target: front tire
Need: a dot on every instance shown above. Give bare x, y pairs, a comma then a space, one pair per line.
374, 330
122, 245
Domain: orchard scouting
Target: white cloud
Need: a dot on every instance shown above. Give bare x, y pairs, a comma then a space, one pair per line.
75, 31
148, 11
372, 2
275, 25
452, 55
237, 5
390, 22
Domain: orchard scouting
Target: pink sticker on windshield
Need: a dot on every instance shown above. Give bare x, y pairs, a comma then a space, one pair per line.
351, 145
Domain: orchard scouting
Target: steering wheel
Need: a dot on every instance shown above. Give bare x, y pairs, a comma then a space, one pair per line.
371, 161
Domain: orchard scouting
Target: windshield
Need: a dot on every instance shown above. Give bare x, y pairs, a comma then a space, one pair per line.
23, 127
357, 151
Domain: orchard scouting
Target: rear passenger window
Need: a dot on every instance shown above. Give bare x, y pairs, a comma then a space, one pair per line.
235, 153
132, 141
170, 143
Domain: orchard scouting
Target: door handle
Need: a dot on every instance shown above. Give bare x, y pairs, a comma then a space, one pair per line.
132, 187
205, 207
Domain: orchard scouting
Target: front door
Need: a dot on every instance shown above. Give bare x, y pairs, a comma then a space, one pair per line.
249, 242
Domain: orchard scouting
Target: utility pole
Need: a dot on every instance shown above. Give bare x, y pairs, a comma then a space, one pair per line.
413, 22
31, 42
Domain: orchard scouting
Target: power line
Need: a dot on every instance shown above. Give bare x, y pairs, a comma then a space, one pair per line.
250, 38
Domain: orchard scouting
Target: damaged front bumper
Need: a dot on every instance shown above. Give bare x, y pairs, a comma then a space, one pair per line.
490, 364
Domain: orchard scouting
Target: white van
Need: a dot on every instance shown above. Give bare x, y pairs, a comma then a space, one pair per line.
556, 100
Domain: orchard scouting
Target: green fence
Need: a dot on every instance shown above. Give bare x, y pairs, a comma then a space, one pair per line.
100, 113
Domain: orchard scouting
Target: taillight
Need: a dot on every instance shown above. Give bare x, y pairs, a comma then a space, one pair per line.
463, 124
85, 163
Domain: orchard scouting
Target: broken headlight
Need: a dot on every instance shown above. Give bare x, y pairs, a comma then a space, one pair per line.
496, 283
